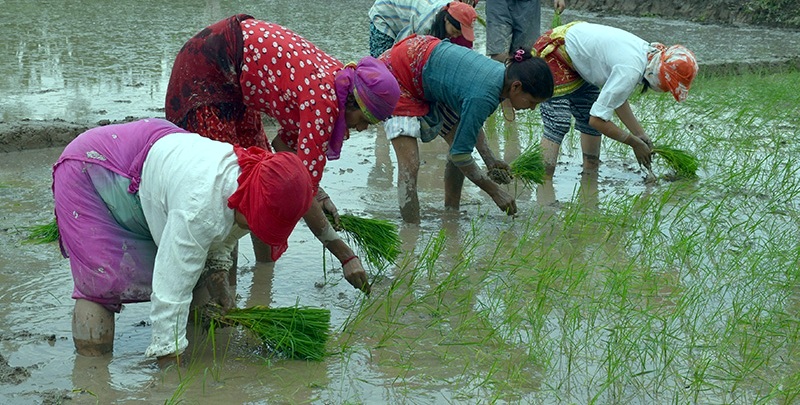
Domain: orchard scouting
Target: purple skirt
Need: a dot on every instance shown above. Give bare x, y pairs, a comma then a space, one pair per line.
104, 235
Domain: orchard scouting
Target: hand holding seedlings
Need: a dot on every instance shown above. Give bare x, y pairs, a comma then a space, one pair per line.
640, 149
505, 202
329, 208
499, 171
220, 290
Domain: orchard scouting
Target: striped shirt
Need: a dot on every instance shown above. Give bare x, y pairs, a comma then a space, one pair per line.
401, 18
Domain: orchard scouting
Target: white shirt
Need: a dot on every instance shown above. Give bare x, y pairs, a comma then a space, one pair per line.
609, 58
186, 182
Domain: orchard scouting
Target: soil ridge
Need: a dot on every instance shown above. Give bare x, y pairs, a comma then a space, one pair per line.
769, 13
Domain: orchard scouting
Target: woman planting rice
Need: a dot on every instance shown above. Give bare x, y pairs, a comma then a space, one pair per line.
148, 212
432, 71
391, 21
231, 72
597, 68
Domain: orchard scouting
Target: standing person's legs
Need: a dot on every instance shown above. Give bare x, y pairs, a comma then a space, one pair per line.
404, 132
527, 17
499, 28
511, 24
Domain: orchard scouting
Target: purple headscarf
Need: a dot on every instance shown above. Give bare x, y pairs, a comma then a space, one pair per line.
375, 89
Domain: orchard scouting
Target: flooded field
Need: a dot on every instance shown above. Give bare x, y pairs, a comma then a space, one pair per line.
602, 290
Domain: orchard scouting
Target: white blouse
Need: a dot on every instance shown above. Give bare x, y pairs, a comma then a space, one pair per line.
186, 182
610, 58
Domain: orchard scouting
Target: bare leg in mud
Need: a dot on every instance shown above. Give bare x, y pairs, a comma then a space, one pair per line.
590, 145
92, 328
453, 184
407, 151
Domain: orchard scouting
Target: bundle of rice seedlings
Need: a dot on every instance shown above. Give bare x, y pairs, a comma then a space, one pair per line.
296, 332
43, 233
377, 238
528, 167
683, 163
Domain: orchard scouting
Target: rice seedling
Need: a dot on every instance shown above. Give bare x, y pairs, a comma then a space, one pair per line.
40, 234
528, 167
296, 332
556, 19
683, 163
377, 238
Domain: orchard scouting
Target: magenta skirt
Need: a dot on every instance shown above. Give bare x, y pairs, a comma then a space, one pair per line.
104, 235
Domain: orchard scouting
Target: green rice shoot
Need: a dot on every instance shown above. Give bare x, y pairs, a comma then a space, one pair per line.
556, 19
683, 163
528, 167
40, 234
296, 332
378, 239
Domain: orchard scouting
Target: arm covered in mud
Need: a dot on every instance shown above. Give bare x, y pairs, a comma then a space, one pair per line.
611, 130
503, 199
488, 156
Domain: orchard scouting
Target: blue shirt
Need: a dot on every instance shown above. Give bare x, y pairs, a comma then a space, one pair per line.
470, 84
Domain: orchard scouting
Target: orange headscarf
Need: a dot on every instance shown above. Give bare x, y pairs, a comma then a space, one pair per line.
671, 69
274, 192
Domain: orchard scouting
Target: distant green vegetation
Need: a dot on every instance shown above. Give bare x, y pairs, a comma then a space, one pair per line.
774, 12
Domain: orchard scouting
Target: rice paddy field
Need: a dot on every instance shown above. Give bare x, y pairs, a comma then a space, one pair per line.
602, 290
681, 292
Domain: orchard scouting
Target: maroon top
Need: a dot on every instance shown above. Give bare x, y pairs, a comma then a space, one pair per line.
216, 54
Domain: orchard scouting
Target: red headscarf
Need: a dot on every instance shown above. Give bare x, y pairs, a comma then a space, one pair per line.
274, 193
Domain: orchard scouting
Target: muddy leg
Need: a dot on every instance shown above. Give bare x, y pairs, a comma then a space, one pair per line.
453, 184
92, 328
407, 152
550, 152
546, 193
263, 252
590, 145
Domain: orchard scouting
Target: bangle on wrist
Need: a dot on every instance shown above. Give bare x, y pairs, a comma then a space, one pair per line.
322, 196
348, 260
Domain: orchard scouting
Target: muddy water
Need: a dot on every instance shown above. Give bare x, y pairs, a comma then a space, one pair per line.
87, 61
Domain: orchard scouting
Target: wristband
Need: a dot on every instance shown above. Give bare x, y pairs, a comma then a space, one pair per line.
322, 196
328, 235
349, 259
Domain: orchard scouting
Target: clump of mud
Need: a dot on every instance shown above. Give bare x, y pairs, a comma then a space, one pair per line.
499, 175
12, 375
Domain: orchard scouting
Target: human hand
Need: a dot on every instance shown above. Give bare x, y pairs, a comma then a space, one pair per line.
499, 171
505, 202
640, 149
328, 207
355, 274
646, 139
219, 290
559, 5
498, 164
